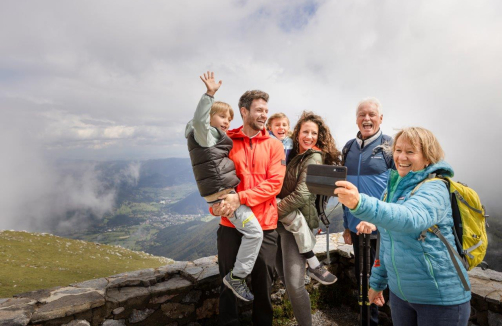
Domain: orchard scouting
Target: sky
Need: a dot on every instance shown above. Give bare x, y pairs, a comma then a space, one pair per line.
118, 80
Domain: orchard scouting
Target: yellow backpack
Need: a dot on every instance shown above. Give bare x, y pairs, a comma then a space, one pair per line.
469, 225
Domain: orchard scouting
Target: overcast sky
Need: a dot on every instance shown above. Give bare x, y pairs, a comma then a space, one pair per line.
107, 80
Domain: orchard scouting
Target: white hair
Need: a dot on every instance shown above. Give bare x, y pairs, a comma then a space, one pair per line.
370, 100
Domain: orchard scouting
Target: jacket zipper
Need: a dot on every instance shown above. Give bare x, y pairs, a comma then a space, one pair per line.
359, 167
394, 265
430, 269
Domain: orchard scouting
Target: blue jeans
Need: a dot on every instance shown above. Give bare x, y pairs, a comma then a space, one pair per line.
413, 314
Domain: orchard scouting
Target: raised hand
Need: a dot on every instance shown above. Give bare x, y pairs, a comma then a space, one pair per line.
211, 84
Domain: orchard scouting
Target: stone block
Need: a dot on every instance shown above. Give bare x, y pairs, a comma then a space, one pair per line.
58, 321
104, 312
38, 294
121, 295
192, 273
16, 315
162, 299
143, 277
171, 269
16, 302
480, 287
192, 297
177, 310
68, 305
98, 284
65, 291
79, 322
112, 322
86, 315
206, 261
118, 310
208, 309
209, 274
487, 274
494, 297
494, 319
174, 284
140, 315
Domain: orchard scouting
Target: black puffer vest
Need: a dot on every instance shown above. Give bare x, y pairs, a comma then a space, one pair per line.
212, 168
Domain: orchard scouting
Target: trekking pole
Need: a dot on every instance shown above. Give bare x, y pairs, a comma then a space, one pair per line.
327, 244
367, 245
361, 266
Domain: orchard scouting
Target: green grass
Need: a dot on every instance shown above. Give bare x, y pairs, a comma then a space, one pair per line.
32, 261
129, 237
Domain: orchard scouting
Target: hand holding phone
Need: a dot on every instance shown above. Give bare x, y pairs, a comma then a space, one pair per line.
321, 178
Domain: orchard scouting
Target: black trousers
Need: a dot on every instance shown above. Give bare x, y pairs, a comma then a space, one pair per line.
355, 243
228, 241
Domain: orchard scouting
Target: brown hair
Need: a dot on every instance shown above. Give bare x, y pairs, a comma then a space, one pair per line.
325, 141
248, 97
218, 107
279, 115
423, 140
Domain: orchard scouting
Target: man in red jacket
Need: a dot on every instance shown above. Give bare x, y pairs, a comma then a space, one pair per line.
260, 165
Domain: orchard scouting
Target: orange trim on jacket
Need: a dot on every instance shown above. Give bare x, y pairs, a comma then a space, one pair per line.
260, 165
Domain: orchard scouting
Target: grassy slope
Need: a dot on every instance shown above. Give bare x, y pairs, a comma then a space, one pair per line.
31, 261
187, 241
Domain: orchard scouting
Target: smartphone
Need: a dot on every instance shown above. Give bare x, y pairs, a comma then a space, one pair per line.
321, 178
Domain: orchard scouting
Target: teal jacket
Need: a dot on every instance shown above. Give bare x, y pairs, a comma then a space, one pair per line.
416, 271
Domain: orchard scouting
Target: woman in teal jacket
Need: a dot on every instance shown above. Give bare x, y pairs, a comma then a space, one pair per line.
425, 288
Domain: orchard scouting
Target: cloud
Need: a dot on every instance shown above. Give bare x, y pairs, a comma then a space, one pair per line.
119, 79
40, 194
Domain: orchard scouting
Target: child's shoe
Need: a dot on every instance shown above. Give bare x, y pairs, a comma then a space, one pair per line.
322, 275
238, 287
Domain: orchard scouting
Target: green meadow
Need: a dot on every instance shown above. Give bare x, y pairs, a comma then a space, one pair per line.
32, 261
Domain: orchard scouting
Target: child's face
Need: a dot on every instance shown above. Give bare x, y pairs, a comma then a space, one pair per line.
280, 128
221, 120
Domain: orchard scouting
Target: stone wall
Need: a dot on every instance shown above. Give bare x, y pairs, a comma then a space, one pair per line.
186, 293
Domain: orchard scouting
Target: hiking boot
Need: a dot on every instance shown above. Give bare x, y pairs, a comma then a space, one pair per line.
238, 287
322, 275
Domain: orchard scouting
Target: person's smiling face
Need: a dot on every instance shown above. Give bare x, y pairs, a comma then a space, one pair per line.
221, 120
256, 117
408, 158
368, 119
307, 137
280, 128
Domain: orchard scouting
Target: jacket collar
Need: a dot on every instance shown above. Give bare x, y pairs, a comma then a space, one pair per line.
415, 177
238, 134
368, 141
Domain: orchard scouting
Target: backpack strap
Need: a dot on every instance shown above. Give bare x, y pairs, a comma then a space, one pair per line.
346, 149
453, 254
321, 202
387, 156
434, 229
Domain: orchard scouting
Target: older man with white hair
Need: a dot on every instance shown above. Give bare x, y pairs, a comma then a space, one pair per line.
368, 168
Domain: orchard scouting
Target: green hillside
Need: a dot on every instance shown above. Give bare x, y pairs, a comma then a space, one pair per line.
187, 241
31, 261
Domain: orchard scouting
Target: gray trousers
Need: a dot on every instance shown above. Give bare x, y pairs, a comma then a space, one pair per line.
246, 223
290, 265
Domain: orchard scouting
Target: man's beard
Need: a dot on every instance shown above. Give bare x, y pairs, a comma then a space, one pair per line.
255, 125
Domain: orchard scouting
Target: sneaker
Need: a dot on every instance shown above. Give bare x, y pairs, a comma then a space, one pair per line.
238, 287
322, 275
